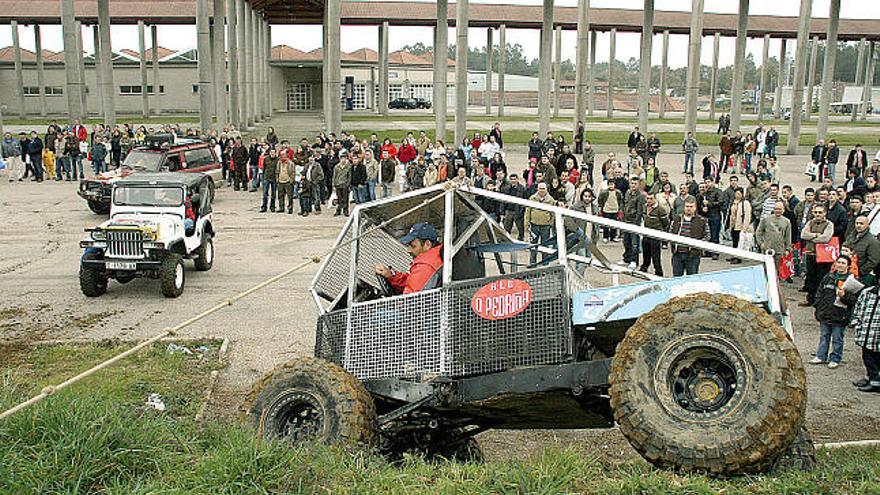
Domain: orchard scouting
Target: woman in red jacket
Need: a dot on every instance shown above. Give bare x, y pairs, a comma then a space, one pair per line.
390, 148
407, 152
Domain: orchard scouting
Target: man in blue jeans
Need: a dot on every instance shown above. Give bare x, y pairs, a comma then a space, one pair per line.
539, 223
634, 205
833, 310
712, 199
690, 147
686, 259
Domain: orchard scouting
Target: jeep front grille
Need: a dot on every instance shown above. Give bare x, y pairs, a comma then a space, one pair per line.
125, 244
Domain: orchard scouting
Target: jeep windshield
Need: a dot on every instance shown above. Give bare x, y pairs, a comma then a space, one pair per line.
143, 160
148, 196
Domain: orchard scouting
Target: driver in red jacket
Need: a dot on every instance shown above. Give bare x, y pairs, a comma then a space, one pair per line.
425, 248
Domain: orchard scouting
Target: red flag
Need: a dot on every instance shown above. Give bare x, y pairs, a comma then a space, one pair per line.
786, 266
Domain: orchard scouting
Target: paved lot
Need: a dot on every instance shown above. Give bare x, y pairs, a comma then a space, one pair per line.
39, 258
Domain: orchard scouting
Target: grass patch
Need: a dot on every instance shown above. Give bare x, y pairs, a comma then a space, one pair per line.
97, 437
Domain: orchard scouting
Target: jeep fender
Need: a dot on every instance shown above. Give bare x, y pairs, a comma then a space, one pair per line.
208, 229
177, 246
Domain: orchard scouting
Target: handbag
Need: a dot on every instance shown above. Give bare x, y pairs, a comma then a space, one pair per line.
746, 241
811, 169
828, 252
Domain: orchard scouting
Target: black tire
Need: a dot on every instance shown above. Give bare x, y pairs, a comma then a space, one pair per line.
800, 455
99, 208
92, 279
310, 400
708, 383
467, 450
205, 253
172, 276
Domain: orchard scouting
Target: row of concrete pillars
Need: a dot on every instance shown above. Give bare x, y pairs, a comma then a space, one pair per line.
236, 89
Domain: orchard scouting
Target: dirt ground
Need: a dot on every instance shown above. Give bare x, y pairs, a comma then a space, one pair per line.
41, 300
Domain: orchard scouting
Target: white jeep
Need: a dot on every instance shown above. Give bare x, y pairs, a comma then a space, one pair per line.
148, 233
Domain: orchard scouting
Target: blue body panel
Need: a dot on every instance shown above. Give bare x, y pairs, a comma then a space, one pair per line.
631, 301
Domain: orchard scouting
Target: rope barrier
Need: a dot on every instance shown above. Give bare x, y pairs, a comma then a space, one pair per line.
170, 331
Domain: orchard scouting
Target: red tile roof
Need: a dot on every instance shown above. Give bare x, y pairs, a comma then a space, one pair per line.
7, 55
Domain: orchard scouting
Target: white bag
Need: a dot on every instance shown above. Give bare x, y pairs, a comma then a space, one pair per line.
746, 241
811, 169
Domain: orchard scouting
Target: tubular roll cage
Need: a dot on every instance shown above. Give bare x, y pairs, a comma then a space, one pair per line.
466, 194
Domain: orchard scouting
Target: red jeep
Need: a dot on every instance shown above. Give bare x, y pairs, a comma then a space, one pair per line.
160, 154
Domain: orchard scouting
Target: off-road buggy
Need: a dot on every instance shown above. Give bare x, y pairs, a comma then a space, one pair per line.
699, 371
160, 153
148, 235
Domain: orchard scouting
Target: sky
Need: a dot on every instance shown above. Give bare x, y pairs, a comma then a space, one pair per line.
355, 37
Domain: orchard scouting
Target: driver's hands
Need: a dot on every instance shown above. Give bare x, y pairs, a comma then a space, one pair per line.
383, 271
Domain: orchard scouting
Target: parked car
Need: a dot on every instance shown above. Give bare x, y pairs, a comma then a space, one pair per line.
403, 104
160, 154
148, 234
423, 103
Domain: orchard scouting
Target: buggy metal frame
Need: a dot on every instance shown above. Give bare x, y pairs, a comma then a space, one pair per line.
359, 236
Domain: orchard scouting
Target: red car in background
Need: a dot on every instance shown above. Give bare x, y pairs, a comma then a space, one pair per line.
162, 153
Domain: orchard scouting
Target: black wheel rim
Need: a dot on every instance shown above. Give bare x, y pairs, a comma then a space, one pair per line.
296, 416
701, 378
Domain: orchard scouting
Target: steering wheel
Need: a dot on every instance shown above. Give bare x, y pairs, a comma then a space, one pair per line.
385, 287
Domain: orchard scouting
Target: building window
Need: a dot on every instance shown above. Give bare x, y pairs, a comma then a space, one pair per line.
49, 91
299, 97
31, 90
136, 90
392, 74
425, 91
54, 90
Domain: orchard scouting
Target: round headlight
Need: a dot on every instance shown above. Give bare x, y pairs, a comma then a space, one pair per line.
99, 235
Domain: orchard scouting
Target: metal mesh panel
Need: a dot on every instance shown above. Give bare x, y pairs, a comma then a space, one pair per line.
380, 248
539, 335
330, 336
334, 279
396, 337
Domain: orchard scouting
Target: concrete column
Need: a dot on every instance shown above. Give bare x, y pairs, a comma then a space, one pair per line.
157, 83
232, 63
267, 71
203, 45
645, 64
869, 80
256, 79
487, 95
502, 69
41, 74
800, 69
763, 82
828, 68
332, 59
860, 71
383, 68
693, 73
219, 59
71, 72
713, 82
581, 84
664, 68
19, 76
108, 92
592, 75
142, 60
811, 79
609, 93
99, 63
247, 64
780, 81
81, 65
557, 73
544, 61
441, 69
462, 21
736, 87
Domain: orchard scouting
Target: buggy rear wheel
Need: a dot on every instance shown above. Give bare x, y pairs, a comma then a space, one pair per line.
708, 383
310, 400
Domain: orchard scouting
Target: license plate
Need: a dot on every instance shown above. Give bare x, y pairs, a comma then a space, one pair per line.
121, 265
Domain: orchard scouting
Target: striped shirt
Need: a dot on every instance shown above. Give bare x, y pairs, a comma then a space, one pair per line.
866, 320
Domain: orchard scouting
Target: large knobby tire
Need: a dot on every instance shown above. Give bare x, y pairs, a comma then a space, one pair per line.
205, 253
708, 383
92, 279
310, 400
172, 276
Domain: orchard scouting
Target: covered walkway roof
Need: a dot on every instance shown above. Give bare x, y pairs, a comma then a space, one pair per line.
424, 14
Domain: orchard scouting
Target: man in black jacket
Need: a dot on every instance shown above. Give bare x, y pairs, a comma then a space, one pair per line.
634, 137
513, 214
857, 159
686, 259
837, 215
711, 203
240, 165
